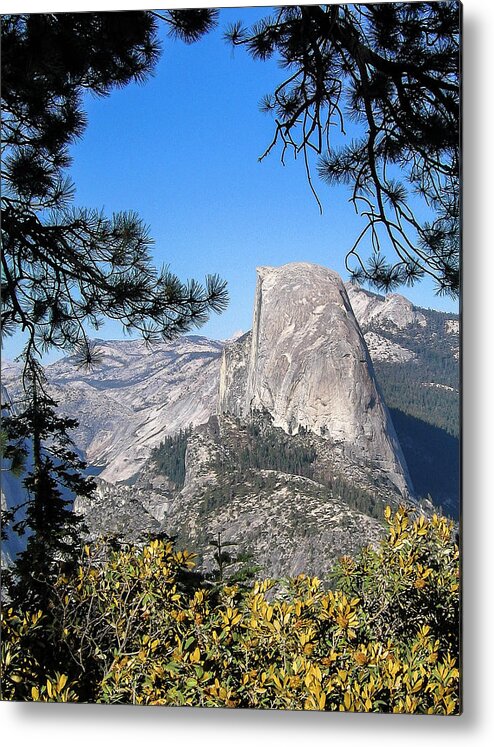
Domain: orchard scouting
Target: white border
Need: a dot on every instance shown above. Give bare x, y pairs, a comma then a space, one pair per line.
38, 724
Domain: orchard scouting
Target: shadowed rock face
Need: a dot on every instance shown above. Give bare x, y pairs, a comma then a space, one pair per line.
307, 364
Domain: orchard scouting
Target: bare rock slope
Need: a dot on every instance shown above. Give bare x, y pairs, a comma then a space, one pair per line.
288, 523
133, 398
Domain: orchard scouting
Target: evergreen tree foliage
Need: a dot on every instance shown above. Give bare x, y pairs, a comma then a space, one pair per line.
428, 386
392, 68
169, 456
66, 267
366, 501
231, 567
268, 448
54, 477
433, 459
430, 403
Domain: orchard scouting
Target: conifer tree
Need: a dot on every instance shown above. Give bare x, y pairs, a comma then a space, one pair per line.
65, 268
392, 68
54, 477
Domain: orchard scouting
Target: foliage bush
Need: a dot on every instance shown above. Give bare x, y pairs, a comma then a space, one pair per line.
139, 628
23, 676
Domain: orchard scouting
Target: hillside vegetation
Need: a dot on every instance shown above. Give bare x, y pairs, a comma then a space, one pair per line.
423, 395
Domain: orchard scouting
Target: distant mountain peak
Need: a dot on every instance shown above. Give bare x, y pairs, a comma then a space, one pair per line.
235, 336
393, 308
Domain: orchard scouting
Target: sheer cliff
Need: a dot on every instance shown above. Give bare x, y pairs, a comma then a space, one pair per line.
306, 363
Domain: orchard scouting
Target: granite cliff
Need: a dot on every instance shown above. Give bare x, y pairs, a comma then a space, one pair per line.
301, 458
306, 363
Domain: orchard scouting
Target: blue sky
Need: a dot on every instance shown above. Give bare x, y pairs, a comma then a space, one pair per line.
182, 150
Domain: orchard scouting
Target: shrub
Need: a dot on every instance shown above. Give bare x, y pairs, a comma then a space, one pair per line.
23, 677
383, 639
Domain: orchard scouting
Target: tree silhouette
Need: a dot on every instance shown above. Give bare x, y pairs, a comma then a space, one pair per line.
65, 268
54, 477
393, 68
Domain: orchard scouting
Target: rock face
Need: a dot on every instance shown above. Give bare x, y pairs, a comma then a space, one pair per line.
233, 376
383, 349
307, 365
133, 398
291, 455
117, 510
393, 309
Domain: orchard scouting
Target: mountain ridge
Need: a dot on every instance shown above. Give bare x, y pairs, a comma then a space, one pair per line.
302, 470
119, 436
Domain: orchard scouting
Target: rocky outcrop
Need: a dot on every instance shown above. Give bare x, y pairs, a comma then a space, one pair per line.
233, 375
452, 326
287, 523
116, 511
289, 526
391, 310
308, 367
382, 349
